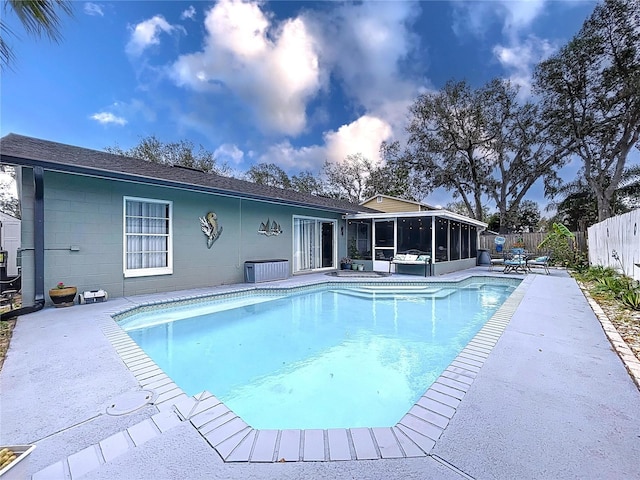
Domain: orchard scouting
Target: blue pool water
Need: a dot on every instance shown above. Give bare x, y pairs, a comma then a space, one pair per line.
331, 358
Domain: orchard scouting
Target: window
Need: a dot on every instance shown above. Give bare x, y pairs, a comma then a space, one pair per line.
454, 241
442, 240
359, 239
473, 237
414, 233
147, 237
465, 241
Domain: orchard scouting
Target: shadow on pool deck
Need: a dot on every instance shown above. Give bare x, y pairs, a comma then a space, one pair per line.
551, 401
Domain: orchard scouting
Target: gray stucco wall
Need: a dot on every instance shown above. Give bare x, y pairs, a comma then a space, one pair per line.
440, 268
84, 235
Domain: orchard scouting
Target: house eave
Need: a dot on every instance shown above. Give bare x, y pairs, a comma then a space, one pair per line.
132, 178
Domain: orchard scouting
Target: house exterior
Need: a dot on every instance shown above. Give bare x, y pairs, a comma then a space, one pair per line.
388, 204
96, 220
10, 241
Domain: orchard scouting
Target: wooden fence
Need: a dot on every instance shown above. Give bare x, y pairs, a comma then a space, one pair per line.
531, 241
617, 237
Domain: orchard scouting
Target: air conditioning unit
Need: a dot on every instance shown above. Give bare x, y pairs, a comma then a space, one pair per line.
93, 296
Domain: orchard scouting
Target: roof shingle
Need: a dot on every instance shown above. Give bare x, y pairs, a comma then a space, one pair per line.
29, 151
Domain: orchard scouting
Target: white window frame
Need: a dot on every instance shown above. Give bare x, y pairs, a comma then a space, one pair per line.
145, 272
318, 221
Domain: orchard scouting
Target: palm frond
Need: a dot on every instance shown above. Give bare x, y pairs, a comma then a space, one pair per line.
41, 17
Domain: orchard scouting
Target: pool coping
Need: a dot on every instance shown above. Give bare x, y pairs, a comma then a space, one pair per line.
415, 435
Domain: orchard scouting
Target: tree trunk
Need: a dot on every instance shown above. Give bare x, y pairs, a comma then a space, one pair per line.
604, 208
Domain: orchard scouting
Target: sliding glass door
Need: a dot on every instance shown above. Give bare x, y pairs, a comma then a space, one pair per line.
314, 241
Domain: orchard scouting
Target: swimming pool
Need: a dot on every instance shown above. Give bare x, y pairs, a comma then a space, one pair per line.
332, 357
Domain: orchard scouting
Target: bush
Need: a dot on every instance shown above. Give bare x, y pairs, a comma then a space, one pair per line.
614, 285
631, 299
598, 271
561, 242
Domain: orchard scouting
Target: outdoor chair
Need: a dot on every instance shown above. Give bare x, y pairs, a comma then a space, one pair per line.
497, 262
542, 262
515, 261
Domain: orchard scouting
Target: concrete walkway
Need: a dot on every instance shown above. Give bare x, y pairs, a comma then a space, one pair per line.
551, 401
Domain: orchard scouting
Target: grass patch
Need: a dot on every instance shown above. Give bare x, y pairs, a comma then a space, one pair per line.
6, 329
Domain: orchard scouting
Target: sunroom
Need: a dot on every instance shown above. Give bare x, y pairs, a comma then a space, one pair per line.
450, 240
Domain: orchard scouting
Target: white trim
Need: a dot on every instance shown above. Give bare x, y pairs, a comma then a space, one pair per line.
425, 213
334, 240
145, 272
380, 196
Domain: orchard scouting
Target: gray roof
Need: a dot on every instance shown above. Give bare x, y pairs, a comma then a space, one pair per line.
21, 150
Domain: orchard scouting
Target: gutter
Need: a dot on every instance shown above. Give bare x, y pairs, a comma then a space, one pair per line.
38, 243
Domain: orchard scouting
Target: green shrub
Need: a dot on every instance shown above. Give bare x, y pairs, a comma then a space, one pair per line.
631, 299
608, 282
598, 271
561, 242
580, 262
616, 285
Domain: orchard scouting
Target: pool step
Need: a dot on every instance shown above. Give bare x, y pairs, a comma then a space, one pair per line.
158, 317
370, 294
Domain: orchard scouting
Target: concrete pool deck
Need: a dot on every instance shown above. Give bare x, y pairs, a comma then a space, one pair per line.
552, 400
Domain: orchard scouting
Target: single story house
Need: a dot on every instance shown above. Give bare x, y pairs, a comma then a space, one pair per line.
96, 220
10, 242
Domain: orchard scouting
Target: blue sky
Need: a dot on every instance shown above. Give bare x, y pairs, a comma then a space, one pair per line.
291, 83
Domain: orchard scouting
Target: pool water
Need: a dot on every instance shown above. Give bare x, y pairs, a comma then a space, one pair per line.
331, 358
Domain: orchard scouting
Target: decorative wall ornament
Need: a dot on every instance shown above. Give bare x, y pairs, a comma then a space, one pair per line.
210, 228
270, 228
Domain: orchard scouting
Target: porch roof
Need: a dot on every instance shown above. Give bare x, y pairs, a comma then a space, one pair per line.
427, 213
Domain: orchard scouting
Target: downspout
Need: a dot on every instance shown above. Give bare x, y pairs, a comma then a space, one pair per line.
38, 244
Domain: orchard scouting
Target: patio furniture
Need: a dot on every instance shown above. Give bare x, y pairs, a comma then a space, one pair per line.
516, 261
412, 257
541, 262
497, 262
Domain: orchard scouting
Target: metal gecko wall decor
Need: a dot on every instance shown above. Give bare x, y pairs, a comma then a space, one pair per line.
269, 228
210, 227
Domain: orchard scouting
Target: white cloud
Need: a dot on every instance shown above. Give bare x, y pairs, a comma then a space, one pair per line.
366, 45
520, 50
521, 14
519, 59
273, 68
229, 153
364, 136
147, 33
188, 13
289, 157
106, 118
475, 17
93, 9
361, 136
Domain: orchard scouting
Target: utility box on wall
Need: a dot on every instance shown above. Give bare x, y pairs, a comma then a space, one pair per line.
256, 271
